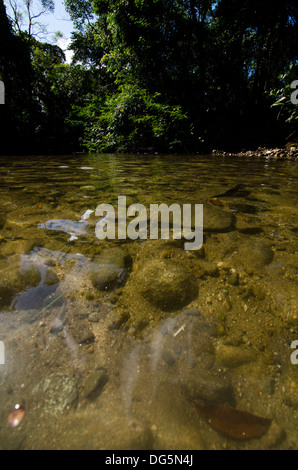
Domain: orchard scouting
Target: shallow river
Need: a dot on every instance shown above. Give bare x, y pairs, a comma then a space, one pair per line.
142, 344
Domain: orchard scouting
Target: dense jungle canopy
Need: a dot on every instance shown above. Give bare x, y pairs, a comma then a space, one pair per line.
152, 76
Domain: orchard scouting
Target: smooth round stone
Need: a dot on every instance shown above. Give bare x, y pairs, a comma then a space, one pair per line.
166, 284
215, 219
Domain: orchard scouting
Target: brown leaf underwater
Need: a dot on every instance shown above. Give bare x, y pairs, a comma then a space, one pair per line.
15, 417
234, 423
215, 201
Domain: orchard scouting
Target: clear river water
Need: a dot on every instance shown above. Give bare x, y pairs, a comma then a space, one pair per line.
140, 344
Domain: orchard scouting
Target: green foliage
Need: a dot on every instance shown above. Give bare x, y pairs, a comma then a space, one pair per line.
287, 110
81, 11
48, 5
131, 120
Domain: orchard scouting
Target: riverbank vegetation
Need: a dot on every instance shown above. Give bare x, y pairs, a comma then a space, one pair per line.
152, 76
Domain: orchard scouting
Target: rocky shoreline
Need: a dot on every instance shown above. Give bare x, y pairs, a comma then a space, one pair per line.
288, 152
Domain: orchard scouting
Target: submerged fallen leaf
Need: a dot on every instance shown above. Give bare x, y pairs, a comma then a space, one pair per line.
234, 423
215, 201
15, 418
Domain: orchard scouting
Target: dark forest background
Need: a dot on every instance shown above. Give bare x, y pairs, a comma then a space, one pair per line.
152, 75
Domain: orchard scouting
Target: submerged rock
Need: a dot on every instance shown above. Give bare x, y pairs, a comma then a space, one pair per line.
234, 278
234, 356
211, 386
167, 284
215, 219
2, 220
51, 277
20, 246
256, 254
16, 277
35, 298
79, 330
95, 383
207, 269
59, 392
110, 268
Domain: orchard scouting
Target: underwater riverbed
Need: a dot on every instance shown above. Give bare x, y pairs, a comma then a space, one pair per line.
140, 344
